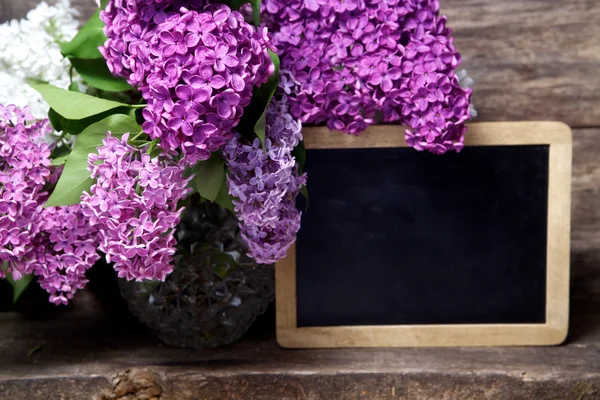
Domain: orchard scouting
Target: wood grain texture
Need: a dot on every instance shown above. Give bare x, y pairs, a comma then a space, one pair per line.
285, 292
16, 9
585, 238
11, 9
531, 59
479, 134
88, 348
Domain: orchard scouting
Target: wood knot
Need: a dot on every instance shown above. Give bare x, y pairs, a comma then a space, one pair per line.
135, 384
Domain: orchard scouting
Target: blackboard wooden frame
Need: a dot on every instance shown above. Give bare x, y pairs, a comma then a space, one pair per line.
559, 138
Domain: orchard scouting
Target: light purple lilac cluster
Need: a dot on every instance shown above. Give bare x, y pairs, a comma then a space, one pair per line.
349, 63
24, 169
265, 185
134, 207
55, 244
66, 249
195, 64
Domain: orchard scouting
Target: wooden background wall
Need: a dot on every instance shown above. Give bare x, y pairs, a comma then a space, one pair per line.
531, 60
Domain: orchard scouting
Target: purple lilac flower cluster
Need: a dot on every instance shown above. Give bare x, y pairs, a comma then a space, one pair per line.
195, 67
55, 244
133, 204
24, 169
349, 63
66, 249
265, 185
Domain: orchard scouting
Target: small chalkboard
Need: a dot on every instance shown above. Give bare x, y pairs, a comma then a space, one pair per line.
404, 248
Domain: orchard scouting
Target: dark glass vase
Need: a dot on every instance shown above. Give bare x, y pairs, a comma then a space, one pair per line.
215, 292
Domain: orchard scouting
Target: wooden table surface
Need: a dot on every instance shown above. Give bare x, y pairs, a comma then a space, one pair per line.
531, 60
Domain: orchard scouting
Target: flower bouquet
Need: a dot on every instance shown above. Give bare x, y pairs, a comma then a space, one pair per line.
167, 115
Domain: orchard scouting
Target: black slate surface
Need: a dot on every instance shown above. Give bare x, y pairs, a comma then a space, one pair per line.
394, 236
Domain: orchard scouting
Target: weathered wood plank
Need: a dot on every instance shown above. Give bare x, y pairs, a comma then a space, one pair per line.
532, 60
585, 238
91, 348
392, 386
15, 9
586, 189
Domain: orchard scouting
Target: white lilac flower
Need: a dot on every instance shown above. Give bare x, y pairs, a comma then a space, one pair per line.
29, 49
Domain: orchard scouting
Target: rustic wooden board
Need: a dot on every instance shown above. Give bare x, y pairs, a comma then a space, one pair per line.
10, 9
585, 238
532, 60
90, 349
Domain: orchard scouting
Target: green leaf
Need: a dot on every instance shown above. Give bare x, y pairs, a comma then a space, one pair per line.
96, 73
157, 151
60, 152
59, 161
221, 271
19, 286
34, 350
189, 171
75, 127
73, 105
136, 114
254, 118
266, 93
299, 154
74, 87
209, 176
75, 178
69, 188
85, 44
260, 129
154, 151
58, 123
256, 12
236, 4
224, 199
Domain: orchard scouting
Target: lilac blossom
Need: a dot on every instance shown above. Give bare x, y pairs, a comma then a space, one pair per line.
195, 64
265, 184
66, 248
351, 63
55, 244
133, 205
24, 169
